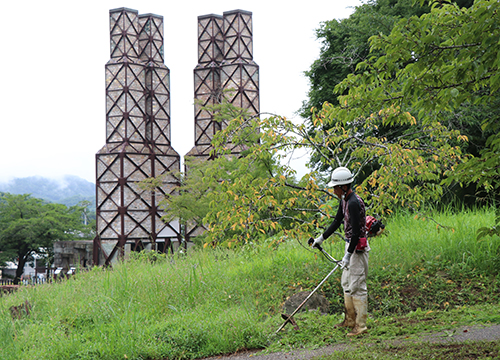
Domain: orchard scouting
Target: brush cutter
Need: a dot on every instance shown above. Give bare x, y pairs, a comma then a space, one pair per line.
289, 318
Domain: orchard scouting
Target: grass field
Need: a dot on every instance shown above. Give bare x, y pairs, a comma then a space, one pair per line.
423, 277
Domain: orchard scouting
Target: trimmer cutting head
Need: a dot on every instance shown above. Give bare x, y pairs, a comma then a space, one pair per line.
291, 320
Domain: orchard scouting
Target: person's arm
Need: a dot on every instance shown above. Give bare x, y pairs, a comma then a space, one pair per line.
335, 224
331, 229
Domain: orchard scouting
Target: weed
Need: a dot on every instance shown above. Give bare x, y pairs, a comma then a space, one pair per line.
216, 302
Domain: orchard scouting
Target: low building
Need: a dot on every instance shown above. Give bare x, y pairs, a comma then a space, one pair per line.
73, 254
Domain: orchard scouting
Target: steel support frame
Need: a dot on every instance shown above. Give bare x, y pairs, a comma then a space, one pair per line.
225, 71
137, 138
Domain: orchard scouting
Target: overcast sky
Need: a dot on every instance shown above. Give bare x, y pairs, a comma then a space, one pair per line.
52, 99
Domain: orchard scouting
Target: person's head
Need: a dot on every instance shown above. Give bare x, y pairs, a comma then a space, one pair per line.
341, 181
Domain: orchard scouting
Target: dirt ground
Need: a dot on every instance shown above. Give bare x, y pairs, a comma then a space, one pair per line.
458, 335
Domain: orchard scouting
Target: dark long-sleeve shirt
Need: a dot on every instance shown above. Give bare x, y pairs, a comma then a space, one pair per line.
352, 212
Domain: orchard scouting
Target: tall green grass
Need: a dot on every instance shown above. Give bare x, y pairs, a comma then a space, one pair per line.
438, 236
434, 262
203, 304
213, 302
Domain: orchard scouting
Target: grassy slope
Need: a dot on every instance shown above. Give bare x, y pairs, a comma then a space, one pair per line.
217, 302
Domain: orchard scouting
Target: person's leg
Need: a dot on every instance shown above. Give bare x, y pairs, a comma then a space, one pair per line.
361, 308
349, 313
358, 270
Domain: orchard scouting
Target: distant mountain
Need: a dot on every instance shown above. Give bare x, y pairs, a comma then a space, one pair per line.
69, 191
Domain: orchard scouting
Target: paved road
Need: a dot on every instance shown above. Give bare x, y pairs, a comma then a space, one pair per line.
475, 333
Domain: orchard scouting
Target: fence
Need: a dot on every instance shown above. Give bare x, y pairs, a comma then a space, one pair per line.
7, 285
42, 276
6, 282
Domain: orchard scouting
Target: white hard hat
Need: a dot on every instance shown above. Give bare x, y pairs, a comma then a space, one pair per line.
341, 176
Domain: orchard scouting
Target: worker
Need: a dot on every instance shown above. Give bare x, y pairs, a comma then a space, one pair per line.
351, 212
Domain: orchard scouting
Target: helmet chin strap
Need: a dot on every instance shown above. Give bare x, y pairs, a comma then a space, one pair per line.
344, 192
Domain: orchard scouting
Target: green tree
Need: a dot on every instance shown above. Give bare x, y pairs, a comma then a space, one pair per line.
255, 196
192, 201
188, 203
430, 66
258, 196
247, 197
424, 69
29, 226
345, 43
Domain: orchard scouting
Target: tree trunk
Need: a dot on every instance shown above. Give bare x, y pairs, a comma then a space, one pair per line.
19, 270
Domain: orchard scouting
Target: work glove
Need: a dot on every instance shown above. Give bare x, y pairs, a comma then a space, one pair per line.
318, 241
345, 260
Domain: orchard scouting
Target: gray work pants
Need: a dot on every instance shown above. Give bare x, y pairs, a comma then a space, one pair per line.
354, 280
